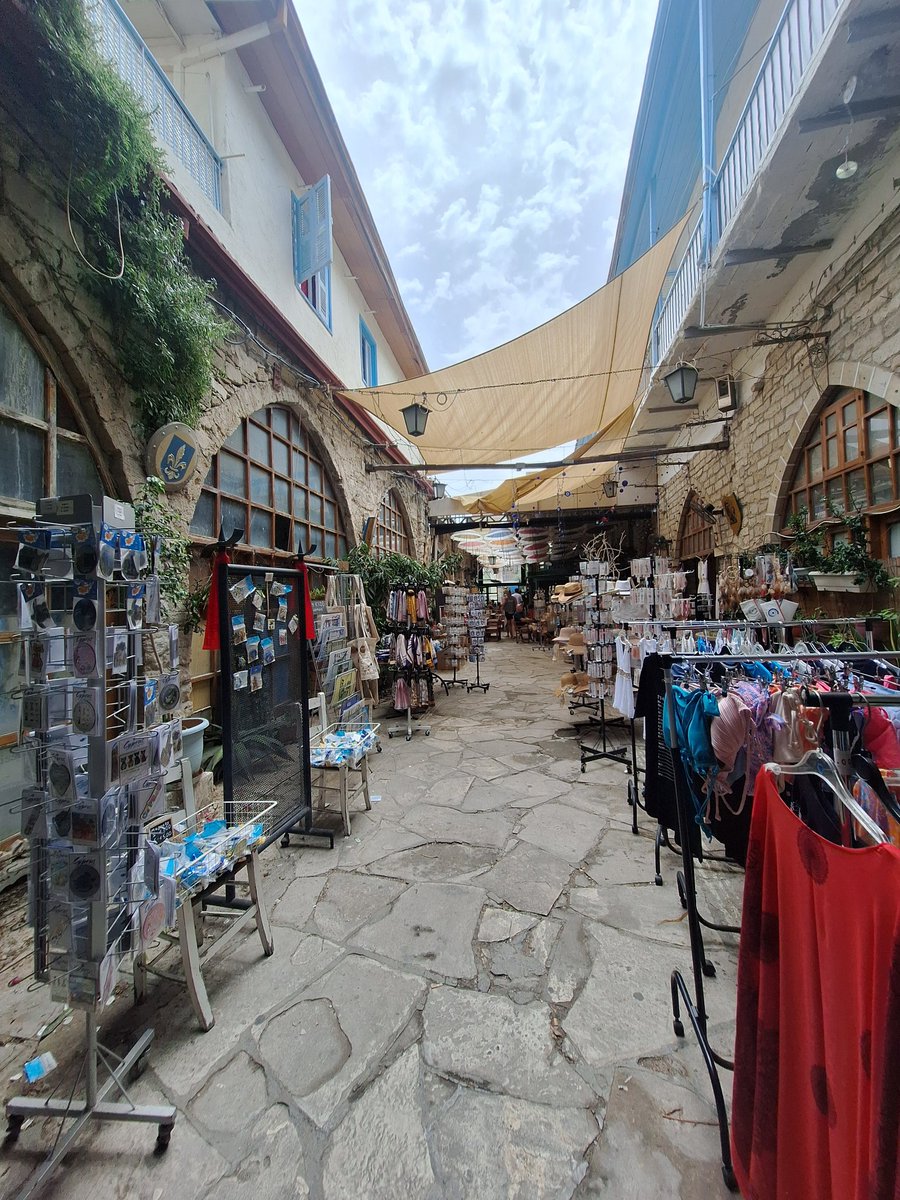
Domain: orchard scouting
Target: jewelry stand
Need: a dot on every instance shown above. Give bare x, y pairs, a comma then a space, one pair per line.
93, 1107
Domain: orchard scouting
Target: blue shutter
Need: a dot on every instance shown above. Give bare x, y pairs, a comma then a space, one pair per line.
312, 231
295, 236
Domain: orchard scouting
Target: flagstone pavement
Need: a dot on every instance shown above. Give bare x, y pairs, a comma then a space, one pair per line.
468, 999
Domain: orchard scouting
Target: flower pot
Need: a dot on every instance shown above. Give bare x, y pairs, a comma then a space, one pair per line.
192, 730
826, 582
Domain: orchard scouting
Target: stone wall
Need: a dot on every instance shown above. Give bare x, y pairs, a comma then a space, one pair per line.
776, 409
42, 278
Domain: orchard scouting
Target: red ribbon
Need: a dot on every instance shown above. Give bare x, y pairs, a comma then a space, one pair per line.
211, 636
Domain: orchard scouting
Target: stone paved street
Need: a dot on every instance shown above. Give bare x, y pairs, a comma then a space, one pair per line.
468, 1000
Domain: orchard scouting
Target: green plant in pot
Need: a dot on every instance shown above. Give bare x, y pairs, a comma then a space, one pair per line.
805, 545
850, 555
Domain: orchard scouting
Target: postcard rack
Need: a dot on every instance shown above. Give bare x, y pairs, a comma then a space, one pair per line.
95, 727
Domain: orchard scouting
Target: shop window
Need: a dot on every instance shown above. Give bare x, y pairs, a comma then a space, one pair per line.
269, 481
696, 536
312, 247
391, 532
45, 453
849, 462
368, 356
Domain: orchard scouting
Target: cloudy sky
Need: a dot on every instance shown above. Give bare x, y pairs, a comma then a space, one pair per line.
491, 138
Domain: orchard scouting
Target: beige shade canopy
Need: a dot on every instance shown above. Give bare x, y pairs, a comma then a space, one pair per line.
567, 379
577, 486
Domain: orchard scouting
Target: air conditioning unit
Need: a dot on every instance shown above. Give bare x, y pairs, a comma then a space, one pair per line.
726, 393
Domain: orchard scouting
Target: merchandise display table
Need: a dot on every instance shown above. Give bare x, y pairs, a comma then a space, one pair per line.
190, 933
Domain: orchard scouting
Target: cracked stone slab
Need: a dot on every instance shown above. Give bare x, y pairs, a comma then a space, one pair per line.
379, 1150
387, 839
498, 924
625, 1006
567, 832
489, 797
439, 824
494, 1147
436, 862
519, 963
325, 1044
296, 905
527, 878
350, 900
232, 1097
430, 927
273, 1166
486, 768
571, 961
531, 760
489, 1041
532, 787
241, 986
667, 1129
451, 789
642, 909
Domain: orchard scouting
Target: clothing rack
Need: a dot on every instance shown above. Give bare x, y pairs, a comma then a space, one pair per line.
695, 1004
422, 627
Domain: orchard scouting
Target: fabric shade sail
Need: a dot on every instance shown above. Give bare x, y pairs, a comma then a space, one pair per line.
577, 486
567, 379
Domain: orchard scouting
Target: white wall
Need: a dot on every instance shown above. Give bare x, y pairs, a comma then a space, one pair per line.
255, 224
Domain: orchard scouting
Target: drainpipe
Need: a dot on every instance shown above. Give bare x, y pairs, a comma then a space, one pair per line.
707, 145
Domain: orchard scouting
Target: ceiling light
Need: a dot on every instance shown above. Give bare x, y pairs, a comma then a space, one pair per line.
682, 383
415, 416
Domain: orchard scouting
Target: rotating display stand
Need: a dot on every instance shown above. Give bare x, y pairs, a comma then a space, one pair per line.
91, 722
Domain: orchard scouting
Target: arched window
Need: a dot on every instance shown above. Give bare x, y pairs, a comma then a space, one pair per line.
849, 462
391, 532
269, 480
45, 451
696, 536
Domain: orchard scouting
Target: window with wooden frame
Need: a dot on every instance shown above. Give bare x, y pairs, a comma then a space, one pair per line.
696, 537
850, 462
391, 530
269, 480
45, 453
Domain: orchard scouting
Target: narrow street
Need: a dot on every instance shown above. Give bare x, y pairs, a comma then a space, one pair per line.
469, 996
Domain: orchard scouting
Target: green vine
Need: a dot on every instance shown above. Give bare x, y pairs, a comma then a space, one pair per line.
155, 518
165, 328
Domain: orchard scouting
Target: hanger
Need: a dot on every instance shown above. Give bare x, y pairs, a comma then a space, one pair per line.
817, 762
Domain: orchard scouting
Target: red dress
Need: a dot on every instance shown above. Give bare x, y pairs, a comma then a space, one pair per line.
816, 1101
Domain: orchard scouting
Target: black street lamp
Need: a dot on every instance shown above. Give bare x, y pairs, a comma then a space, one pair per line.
682, 383
415, 416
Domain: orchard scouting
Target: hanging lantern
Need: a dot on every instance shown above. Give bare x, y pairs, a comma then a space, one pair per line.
415, 416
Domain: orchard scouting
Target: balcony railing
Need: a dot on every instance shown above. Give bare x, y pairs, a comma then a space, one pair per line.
795, 42
681, 293
172, 122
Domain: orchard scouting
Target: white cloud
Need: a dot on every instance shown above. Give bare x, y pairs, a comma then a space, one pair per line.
491, 137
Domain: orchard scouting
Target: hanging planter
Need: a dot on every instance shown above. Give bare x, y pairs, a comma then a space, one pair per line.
826, 582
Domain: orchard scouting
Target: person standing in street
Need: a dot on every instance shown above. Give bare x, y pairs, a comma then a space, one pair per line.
509, 613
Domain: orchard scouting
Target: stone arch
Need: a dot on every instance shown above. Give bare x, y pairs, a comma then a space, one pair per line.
868, 377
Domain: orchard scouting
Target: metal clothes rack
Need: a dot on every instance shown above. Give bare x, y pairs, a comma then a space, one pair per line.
695, 1004
413, 672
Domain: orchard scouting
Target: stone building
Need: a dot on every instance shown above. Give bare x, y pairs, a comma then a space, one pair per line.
250, 141
783, 291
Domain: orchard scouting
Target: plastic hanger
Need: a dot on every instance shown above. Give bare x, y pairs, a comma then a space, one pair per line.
817, 762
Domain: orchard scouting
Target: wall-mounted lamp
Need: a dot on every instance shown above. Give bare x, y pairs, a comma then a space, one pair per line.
439, 489
610, 487
682, 383
415, 417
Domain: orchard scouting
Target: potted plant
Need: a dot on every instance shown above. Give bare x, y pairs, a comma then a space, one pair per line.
806, 550
849, 567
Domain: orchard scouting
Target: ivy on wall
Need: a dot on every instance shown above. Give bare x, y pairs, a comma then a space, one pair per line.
165, 329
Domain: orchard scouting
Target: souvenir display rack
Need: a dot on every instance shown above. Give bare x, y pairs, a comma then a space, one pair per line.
453, 620
92, 726
695, 1003
411, 660
476, 621
264, 688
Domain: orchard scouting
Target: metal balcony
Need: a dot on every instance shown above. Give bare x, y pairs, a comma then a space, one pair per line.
172, 123
800, 32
